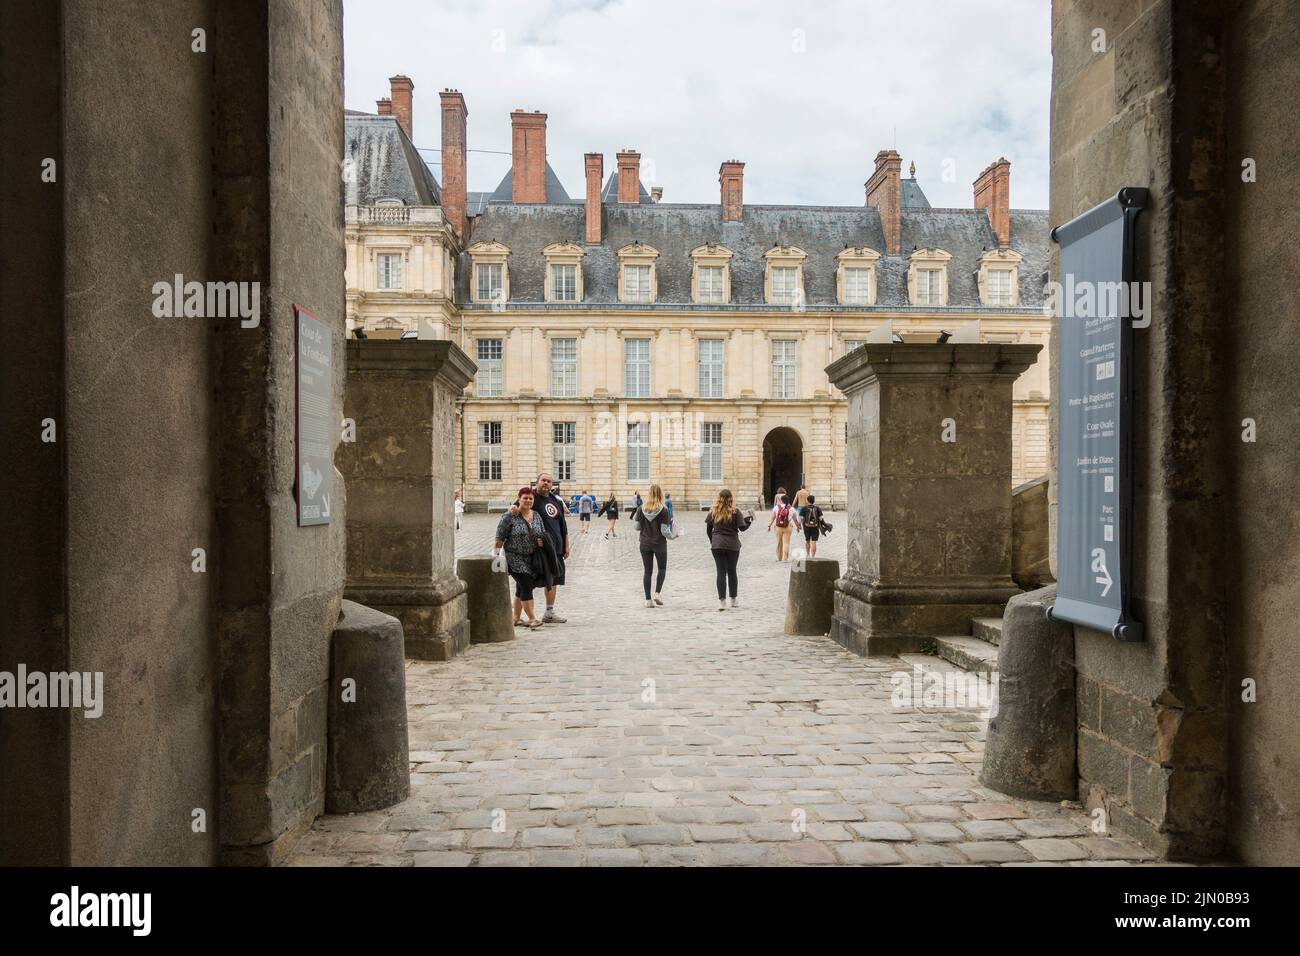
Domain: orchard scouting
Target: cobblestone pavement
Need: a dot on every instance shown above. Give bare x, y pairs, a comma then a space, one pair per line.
687, 736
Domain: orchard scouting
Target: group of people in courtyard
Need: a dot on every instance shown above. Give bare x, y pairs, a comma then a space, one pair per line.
532, 538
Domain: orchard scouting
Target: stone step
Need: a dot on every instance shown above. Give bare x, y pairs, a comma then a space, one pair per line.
968, 653
987, 629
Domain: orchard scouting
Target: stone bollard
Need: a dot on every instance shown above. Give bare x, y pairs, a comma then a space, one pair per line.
1030, 752
367, 767
811, 599
488, 591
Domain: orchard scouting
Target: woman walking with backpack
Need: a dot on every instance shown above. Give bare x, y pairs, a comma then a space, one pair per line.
723, 526
783, 518
521, 536
656, 527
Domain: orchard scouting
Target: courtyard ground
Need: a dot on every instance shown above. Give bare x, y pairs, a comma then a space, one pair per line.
687, 736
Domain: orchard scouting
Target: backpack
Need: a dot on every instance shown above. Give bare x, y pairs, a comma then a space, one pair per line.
783, 517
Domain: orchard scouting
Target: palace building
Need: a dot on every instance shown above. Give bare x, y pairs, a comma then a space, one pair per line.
623, 340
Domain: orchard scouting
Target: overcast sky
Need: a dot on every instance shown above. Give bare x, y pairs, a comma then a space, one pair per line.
804, 93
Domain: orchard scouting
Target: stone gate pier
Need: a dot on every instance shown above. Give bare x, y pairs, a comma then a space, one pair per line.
928, 467
400, 396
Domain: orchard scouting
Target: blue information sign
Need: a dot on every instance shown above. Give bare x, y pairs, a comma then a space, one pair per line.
1095, 307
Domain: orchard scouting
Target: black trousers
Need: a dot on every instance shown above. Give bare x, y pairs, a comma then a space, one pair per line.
647, 560
726, 562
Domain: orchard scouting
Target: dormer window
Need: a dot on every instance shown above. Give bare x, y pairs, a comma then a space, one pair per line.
636, 273
855, 277
711, 274
927, 277
491, 276
783, 282
999, 278
563, 272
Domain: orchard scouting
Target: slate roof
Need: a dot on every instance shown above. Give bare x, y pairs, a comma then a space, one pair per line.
912, 194
387, 164
609, 192
554, 188
674, 229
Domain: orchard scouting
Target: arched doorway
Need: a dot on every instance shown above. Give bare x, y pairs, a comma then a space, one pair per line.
782, 462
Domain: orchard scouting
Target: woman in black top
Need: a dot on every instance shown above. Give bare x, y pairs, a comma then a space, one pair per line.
656, 527
610, 510
521, 535
723, 526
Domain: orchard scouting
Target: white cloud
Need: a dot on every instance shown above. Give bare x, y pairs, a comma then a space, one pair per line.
690, 83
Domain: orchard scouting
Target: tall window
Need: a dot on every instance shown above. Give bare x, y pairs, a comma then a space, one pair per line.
488, 276
636, 368
638, 451
564, 283
857, 286
390, 271
999, 286
636, 283
785, 354
564, 368
929, 286
489, 451
851, 344
711, 368
708, 284
488, 383
785, 282
710, 451
565, 444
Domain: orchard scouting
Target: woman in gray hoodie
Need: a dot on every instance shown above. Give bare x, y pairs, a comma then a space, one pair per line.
656, 528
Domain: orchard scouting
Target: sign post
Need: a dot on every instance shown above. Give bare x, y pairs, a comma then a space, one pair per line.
1095, 306
313, 361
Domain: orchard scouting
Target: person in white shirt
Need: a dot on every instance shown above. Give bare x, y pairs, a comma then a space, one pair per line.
459, 505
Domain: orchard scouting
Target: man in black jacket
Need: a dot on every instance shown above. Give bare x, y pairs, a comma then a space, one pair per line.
551, 507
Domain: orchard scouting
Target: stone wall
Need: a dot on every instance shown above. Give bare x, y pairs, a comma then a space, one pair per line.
174, 434
1181, 95
1263, 581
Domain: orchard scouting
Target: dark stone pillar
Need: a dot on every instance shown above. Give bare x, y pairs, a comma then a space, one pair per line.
401, 395
368, 767
1031, 748
811, 596
929, 518
488, 595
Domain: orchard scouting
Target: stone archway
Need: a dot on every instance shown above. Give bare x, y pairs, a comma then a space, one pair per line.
782, 462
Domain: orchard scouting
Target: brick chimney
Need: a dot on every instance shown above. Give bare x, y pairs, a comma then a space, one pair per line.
884, 192
731, 177
384, 107
993, 194
400, 89
454, 200
629, 176
595, 163
528, 151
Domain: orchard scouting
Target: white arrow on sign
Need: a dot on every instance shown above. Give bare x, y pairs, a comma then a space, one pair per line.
1099, 568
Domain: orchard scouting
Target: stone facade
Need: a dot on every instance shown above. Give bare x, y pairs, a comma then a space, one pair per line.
399, 213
